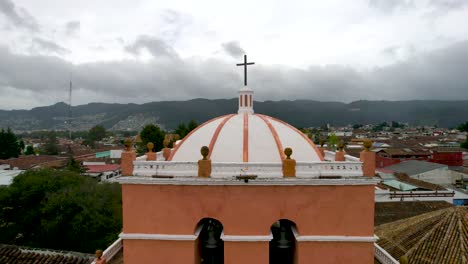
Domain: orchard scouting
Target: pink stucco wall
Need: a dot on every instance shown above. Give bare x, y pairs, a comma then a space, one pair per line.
248, 210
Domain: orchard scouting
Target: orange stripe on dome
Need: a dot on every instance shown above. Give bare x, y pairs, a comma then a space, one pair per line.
189, 134
302, 135
275, 136
245, 154
216, 133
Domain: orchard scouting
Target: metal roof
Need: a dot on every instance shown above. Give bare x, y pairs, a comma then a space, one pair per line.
400, 185
414, 167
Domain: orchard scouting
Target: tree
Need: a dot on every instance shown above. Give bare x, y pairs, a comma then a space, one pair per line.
9, 145
191, 126
60, 210
29, 150
51, 144
357, 126
96, 133
154, 134
465, 144
75, 166
182, 130
463, 127
332, 141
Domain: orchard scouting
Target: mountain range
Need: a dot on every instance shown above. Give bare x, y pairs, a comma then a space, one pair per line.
300, 113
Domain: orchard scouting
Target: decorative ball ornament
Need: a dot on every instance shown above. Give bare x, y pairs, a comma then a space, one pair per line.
150, 146
322, 142
288, 152
341, 145
205, 151
128, 143
367, 144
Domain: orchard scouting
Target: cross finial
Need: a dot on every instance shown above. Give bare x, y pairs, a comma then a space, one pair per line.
245, 68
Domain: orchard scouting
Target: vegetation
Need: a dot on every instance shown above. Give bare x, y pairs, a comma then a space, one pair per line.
465, 144
182, 130
9, 145
332, 141
97, 133
29, 150
151, 133
463, 127
60, 210
51, 144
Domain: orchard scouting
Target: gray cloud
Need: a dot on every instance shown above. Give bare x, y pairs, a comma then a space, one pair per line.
388, 6
157, 47
449, 4
72, 27
18, 16
41, 45
437, 75
233, 49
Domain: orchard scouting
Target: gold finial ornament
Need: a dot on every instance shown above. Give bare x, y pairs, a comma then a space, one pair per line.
341, 145
322, 142
205, 151
288, 152
367, 144
150, 146
128, 143
404, 259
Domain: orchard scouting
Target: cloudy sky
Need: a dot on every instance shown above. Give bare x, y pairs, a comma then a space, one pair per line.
146, 50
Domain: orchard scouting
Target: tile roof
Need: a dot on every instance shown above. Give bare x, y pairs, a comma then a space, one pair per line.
386, 212
436, 237
27, 162
413, 167
101, 168
17, 255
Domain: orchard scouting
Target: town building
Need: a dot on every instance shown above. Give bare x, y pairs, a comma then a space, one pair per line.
247, 188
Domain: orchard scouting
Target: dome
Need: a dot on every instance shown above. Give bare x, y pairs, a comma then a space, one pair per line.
246, 137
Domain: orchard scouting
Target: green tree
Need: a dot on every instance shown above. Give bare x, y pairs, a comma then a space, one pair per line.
465, 144
182, 130
332, 141
191, 125
463, 127
29, 150
60, 210
96, 133
75, 166
51, 144
151, 133
9, 145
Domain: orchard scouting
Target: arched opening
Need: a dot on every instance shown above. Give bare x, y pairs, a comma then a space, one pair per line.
245, 100
251, 103
240, 100
209, 247
283, 244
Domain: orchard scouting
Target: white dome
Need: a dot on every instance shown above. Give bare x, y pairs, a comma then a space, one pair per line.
246, 137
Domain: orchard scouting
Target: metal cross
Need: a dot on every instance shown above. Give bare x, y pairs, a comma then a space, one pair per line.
245, 68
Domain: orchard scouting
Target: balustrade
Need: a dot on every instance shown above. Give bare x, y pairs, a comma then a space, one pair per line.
260, 169
383, 256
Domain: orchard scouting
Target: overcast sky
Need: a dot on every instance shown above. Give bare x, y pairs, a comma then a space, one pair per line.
145, 50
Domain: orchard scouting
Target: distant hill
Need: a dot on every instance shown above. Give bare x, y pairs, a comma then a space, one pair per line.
301, 113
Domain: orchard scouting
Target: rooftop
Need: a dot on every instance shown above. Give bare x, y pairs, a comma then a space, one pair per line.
413, 167
434, 237
20, 255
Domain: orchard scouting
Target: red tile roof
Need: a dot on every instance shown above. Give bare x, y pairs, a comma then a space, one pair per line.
101, 168
17, 255
27, 162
